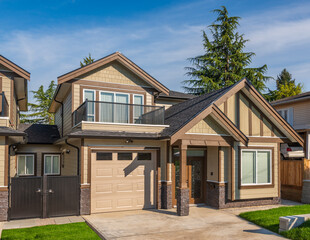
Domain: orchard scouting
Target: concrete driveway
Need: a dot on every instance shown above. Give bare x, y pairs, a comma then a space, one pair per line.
202, 223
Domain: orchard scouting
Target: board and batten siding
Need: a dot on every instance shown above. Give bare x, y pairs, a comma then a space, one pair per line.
208, 126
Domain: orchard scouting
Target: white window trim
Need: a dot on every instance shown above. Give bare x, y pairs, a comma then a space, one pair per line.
114, 97
288, 113
52, 155
271, 170
133, 99
94, 91
25, 165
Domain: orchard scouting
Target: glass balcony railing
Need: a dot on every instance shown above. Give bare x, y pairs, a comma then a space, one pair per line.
4, 105
112, 112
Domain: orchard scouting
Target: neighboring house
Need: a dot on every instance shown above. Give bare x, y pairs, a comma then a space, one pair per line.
296, 111
125, 141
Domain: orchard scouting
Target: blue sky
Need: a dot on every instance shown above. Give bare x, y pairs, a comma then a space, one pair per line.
49, 38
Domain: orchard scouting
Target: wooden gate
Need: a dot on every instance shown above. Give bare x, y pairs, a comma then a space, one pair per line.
26, 197
48, 196
293, 172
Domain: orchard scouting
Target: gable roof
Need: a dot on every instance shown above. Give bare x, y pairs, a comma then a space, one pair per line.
117, 56
180, 115
14, 67
299, 97
40, 133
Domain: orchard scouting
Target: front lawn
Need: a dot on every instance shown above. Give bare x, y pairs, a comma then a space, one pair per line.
269, 219
64, 231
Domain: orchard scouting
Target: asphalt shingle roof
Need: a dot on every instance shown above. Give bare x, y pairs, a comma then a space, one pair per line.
292, 98
180, 114
176, 94
6, 131
40, 133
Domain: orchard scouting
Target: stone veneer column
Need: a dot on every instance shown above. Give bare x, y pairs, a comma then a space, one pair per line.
166, 195
183, 191
183, 201
216, 195
4, 206
85, 201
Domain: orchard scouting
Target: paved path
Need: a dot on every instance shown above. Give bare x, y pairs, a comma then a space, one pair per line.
202, 223
35, 222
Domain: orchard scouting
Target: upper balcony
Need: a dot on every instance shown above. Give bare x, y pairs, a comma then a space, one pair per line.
113, 113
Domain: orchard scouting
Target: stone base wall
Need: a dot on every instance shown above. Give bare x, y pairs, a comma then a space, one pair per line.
166, 195
305, 196
217, 197
183, 201
85, 201
4, 206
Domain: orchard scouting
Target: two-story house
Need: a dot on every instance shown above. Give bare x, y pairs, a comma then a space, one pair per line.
13, 99
124, 141
295, 110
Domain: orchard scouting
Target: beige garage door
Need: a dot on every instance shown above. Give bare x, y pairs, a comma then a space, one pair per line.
123, 180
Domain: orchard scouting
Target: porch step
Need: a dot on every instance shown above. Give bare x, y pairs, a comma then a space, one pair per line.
289, 222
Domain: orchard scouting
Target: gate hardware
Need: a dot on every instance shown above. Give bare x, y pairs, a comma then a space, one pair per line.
38, 190
50, 191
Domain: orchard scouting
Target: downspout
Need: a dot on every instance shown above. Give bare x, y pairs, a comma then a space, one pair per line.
78, 155
62, 117
78, 170
9, 177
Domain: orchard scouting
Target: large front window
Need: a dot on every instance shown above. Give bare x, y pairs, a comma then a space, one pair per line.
25, 165
256, 167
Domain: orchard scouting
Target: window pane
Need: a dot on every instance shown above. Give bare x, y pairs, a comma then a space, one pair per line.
121, 110
195, 153
138, 110
248, 167
263, 167
285, 114
29, 165
124, 156
90, 95
56, 163
48, 164
104, 156
144, 156
106, 108
21, 165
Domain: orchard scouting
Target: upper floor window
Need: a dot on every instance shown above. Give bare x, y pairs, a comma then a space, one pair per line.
90, 95
286, 113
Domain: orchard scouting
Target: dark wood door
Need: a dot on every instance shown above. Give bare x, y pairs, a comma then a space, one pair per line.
195, 179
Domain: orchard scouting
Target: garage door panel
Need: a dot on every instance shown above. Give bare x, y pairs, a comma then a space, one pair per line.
122, 184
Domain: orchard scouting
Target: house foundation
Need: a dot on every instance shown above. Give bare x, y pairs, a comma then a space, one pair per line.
4, 205
85, 201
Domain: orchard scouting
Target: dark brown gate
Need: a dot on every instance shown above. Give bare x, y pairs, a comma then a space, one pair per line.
26, 197
63, 197
48, 196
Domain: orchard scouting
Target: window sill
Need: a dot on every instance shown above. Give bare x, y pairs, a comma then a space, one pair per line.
256, 186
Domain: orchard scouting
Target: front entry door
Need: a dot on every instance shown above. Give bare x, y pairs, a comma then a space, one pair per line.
195, 177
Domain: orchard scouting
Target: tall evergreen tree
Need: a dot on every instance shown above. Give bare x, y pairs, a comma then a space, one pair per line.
286, 87
39, 110
224, 62
87, 60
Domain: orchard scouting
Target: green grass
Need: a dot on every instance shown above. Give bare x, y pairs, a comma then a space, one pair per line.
269, 219
74, 231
